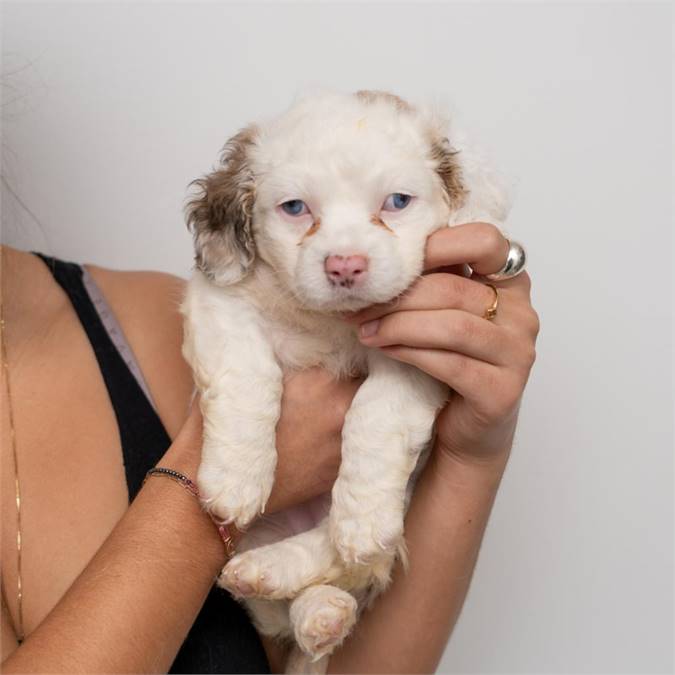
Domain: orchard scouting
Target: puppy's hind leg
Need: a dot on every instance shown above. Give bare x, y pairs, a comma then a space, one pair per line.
271, 618
284, 568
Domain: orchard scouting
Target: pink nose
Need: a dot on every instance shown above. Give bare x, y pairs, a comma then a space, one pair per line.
346, 271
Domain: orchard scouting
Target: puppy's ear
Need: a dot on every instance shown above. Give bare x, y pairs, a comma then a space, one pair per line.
449, 171
220, 214
475, 189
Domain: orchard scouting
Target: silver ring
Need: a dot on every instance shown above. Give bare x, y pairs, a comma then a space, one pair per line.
514, 265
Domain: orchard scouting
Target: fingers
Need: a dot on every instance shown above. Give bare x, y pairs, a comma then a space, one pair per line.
449, 329
470, 378
480, 245
435, 291
449, 291
519, 285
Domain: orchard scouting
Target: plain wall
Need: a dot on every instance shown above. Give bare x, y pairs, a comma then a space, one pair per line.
110, 110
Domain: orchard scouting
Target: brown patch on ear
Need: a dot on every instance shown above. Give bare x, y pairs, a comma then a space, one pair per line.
312, 229
376, 220
375, 95
449, 171
220, 215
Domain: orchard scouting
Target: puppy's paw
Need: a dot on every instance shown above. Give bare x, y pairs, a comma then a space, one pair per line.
322, 617
234, 496
255, 573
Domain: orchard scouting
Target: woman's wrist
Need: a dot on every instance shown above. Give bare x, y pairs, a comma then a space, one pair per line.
454, 465
183, 517
183, 458
487, 446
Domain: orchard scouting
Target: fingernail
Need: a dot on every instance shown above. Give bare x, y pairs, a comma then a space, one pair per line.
369, 328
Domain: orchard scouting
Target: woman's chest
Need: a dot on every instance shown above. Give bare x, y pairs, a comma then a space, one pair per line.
70, 474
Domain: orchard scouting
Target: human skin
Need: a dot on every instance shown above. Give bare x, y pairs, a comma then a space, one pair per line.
437, 326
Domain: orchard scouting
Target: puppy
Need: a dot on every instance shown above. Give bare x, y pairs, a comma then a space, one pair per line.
323, 210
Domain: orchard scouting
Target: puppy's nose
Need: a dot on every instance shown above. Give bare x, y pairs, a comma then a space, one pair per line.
346, 271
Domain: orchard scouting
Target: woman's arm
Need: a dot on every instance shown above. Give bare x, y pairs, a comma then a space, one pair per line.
439, 327
132, 606
407, 629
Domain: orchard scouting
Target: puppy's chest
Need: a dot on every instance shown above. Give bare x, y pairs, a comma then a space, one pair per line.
327, 343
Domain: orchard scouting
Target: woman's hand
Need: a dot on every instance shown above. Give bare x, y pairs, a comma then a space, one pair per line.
309, 435
438, 325
313, 409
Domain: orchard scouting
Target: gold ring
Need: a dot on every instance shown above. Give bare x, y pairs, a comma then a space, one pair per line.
491, 311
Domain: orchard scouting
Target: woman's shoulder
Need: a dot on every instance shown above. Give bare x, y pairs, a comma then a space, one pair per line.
146, 305
144, 290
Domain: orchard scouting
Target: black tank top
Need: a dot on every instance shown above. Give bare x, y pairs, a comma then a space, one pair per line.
222, 639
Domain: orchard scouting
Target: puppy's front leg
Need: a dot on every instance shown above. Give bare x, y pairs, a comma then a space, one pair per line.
241, 385
389, 423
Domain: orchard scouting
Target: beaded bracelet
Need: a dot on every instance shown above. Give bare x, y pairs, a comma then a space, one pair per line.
223, 528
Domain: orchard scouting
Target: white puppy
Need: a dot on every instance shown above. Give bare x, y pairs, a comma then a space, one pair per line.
323, 210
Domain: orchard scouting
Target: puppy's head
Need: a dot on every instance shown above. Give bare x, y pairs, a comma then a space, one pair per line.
338, 196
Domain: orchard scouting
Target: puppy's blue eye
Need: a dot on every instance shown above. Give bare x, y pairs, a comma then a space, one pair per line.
295, 207
396, 201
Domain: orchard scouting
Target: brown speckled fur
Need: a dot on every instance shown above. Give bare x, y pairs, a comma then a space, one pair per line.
223, 207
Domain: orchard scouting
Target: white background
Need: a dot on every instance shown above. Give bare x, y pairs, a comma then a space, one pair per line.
111, 109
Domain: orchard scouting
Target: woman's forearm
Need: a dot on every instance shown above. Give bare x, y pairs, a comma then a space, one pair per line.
408, 627
132, 606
